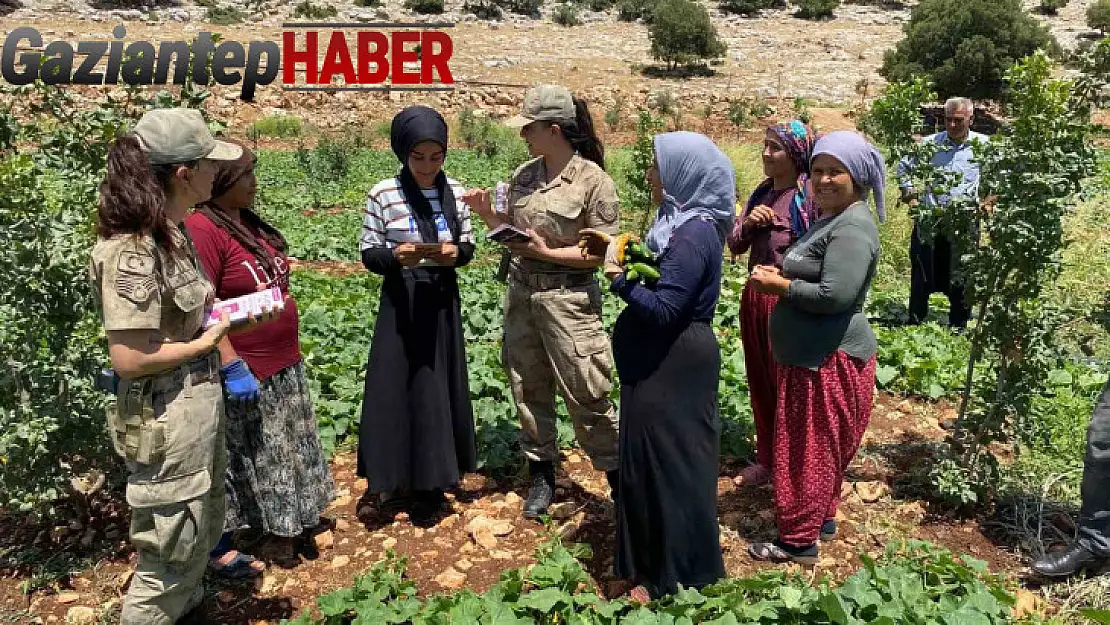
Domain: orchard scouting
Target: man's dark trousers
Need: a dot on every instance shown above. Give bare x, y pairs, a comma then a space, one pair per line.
1094, 515
932, 266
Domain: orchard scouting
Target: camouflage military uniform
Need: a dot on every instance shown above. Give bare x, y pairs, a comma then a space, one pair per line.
553, 332
170, 427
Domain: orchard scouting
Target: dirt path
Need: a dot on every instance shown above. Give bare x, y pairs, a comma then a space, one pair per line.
880, 505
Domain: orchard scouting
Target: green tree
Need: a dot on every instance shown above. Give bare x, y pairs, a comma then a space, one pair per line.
682, 33
643, 154
1031, 174
1098, 15
52, 423
966, 46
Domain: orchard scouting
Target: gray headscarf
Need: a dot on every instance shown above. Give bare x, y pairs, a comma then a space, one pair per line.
864, 163
698, 182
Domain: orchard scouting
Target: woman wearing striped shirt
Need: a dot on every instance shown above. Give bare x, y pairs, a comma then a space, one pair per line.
417, 431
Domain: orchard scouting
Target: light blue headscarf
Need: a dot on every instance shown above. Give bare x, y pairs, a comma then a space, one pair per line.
698, 182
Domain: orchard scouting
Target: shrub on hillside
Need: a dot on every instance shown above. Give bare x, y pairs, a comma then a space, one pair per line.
425, 7
483, 9
1051, 7
965, 46
815, 9
1098, 15
681, 33
566, 15
529, 8
310, 11
632, 10
749, 7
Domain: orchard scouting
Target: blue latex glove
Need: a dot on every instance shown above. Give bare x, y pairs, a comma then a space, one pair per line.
239, 382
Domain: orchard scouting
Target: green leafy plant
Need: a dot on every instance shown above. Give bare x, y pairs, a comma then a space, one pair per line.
914, 582
681, 33
965, 46
643, 155
801, 110
760, 109
738, 114
614, 113
278, 126
927, 361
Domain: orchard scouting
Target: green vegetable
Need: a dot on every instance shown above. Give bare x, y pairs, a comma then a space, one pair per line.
645, 270
637, 252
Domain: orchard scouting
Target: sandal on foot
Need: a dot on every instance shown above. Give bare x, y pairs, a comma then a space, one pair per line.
753, 475
775, 552
240, 567
828, 530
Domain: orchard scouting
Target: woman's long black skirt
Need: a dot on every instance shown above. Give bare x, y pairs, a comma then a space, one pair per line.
667, 532
417, 428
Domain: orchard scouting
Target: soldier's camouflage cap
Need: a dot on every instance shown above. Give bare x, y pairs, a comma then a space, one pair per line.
181, 136
549, 103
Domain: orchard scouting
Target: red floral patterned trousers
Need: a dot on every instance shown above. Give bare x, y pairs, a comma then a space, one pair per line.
819, 423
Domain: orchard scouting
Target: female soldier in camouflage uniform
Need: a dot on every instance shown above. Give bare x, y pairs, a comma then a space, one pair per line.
553, 332
168, 421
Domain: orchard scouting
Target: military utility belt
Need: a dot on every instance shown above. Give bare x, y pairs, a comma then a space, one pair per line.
136, 434
545, 281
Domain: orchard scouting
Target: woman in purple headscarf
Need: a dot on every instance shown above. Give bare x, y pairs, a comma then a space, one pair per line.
777, 214
823, 345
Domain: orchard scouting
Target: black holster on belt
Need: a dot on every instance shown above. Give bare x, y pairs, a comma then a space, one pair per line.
136, 434
503, 269
107, 380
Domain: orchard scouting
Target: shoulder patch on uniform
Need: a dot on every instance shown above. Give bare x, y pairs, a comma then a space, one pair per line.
607, 211
135, 263
135, 276
138, 289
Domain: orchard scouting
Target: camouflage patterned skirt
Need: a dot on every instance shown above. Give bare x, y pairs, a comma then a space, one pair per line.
277, 479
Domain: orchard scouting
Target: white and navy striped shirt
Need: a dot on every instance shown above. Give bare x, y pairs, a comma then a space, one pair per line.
388, 220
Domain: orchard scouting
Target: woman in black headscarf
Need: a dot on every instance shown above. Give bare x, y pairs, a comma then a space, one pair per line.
417, 432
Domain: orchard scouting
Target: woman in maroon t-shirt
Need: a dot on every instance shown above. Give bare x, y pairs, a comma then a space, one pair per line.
278, 478
777, 214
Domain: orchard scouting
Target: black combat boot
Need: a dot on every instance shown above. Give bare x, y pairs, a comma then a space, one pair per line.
1070, 562
543, 488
